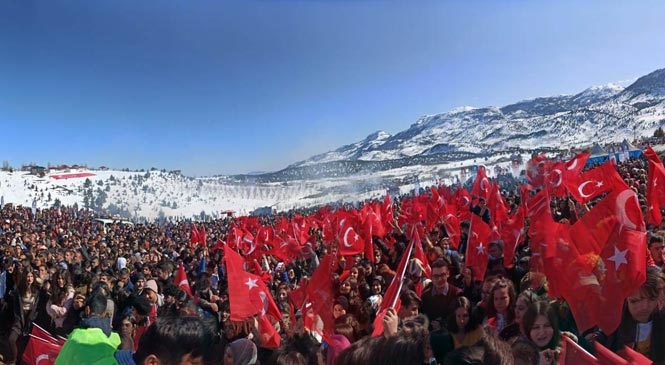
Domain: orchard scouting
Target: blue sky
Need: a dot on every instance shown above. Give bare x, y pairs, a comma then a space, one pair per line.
220, 87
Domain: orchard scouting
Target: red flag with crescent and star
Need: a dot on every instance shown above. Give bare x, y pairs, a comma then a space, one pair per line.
481, 185
476, 249
350, 242
590, 184
613, 236
244, 286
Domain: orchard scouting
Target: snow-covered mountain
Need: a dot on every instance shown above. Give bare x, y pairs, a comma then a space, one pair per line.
436, 148
606, 113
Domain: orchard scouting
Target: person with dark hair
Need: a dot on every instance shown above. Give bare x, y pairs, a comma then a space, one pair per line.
642, 326
403, 348
172, 341
525, 352
540, 324
26, 299
60, 302
488, 351
463, 326
438, 298
524, 300
470, 287
96, 314
74, 314
656, 244
502, 308
410, 304
140, 309
481, 210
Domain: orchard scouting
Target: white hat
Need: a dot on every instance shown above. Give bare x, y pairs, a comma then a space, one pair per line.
121, 263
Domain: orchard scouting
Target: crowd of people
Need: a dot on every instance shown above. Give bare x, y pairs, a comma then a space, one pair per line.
111, 288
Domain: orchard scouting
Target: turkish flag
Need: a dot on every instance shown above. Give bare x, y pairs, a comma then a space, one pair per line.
541, 225
270, 338
244, 286
624, 261
575, 165
634, 357
320, 292
476, 249
234, 238
592, 231
413, 211
391, 297
43, 334
497, 206
350, 242
372, 226
572, 354
481, 185
463, 201
555, 176
512, 234
285, 248
536, 170
387, 214
181, 280
607, 357
202, 236
592, 183
655, 189
40, 351
611, 240
194, 236
452, 225
419, 253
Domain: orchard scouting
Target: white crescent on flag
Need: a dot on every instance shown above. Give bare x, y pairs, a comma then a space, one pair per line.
580, 189
558, 181
346, 237
620, 209
41, 358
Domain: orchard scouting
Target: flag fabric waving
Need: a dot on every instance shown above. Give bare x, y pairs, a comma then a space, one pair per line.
181, 280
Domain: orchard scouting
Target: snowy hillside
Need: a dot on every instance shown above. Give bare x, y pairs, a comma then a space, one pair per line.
159, 194
607, 113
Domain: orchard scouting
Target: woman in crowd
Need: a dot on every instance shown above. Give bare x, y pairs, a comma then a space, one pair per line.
522, 304
642, 326
540, 325
502, 310
60, 302
283, 299
26, 301
463, 326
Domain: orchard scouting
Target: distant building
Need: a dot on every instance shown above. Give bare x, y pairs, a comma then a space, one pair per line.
103, 168
37, 170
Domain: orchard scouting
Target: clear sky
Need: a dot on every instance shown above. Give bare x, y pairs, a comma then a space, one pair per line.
221, 87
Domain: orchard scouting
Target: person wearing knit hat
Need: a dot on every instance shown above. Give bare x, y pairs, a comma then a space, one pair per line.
240, 352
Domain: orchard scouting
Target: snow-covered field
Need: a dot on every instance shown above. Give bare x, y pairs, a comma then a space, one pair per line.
155, 193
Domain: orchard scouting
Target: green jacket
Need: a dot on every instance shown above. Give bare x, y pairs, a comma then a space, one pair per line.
89, 346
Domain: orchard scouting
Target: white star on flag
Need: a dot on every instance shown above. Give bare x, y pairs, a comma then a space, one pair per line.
618, 258
251, 283
599, 184
481, 249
